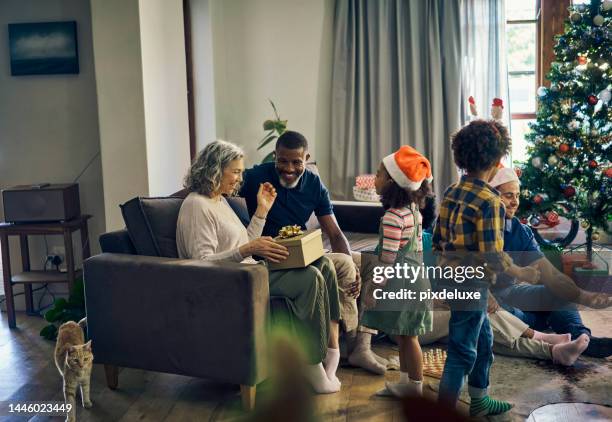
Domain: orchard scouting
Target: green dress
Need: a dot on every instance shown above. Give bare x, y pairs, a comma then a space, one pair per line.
408, 322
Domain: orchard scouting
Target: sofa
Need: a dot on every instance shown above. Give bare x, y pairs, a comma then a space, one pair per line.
148, 309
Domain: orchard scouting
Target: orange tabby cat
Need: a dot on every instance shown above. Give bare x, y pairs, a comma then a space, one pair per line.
74, 360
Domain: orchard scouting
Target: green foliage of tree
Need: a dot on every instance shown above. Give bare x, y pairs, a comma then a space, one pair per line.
568, 169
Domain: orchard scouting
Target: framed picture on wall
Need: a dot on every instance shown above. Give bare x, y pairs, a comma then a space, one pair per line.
43, 48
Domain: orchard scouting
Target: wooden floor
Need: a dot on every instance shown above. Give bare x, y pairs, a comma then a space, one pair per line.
27, 373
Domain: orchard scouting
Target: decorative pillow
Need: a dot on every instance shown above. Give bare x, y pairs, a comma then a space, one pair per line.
151, 224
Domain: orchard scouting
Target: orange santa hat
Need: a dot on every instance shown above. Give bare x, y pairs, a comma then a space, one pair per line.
408, 168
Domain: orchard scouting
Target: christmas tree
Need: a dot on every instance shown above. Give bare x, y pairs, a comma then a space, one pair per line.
568, 171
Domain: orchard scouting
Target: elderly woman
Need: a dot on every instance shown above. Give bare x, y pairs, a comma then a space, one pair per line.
209, 230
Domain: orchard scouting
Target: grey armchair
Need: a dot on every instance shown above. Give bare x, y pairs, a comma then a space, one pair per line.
148, 309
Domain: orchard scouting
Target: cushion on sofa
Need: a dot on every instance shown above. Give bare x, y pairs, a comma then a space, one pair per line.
151, 224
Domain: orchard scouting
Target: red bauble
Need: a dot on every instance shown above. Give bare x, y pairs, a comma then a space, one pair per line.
538, 199
592, 99
609, 172
582, 60
564, 147
593, 164
518, 172
569, 191
524, 220
552, 217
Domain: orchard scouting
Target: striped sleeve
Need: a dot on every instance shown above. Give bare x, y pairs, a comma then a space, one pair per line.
392, 225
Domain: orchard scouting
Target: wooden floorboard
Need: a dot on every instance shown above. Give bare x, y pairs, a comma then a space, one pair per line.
28, 373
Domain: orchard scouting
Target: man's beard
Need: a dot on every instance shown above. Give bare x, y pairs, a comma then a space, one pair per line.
287, 185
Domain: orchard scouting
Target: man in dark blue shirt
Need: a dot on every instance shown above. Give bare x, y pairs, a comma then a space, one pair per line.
547, 305
300, 192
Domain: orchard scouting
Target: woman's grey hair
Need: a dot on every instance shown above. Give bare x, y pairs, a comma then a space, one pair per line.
204, 176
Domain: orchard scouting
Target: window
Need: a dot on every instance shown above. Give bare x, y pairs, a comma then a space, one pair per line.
521, 42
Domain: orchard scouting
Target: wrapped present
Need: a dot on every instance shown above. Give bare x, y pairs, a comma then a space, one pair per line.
304, 247
365, 181
572, 260
366, 195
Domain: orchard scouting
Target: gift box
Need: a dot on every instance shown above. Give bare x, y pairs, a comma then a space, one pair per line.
572, 260
303, 250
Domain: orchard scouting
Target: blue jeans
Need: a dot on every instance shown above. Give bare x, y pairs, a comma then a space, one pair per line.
515, 298
470, 352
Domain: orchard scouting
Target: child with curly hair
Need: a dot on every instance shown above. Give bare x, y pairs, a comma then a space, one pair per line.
471, 221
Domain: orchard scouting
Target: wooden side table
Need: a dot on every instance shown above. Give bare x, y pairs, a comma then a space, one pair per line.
29, 276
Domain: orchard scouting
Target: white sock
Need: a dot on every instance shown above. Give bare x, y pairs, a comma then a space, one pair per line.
363, 357
552, 338
406, 386
318, 380
567, 353
331, 361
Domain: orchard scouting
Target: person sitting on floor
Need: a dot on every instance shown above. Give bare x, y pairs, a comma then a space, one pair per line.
209, 230
547, 305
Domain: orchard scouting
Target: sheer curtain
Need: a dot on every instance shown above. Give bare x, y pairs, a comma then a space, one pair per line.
402, 73
483, 56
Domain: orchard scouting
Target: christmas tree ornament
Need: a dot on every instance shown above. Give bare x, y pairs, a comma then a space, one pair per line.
523, 220
564, 148
585, 224
566, 106
582, 60
581, 8
552, 160
525, 193
598, 20
595, 236
608, 172
542, 91
552, 217
518, 172
577, 144
575, 17
594, 132
539, 198
536, 162
569, 191
554, 118
573, 125
592, 99
606, 5
534, 221
554, 87
593, 164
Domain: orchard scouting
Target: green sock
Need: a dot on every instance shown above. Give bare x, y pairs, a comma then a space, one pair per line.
487, 406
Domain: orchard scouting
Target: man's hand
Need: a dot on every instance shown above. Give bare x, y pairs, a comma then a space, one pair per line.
492, 305
595, 300
529, 274
354, 289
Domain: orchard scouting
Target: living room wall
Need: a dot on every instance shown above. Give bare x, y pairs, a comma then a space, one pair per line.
277, 49
49, 123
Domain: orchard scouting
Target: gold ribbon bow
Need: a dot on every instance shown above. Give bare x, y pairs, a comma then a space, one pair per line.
290, 231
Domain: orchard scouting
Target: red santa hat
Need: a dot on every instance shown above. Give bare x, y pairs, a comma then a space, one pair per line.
408, 168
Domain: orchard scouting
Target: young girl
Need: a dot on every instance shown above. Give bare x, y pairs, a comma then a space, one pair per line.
402, 181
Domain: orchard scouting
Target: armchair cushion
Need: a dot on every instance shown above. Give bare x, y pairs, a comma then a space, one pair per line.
151, 224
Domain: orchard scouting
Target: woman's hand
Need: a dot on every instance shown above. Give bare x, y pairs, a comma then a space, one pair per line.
265, 247
265, 199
